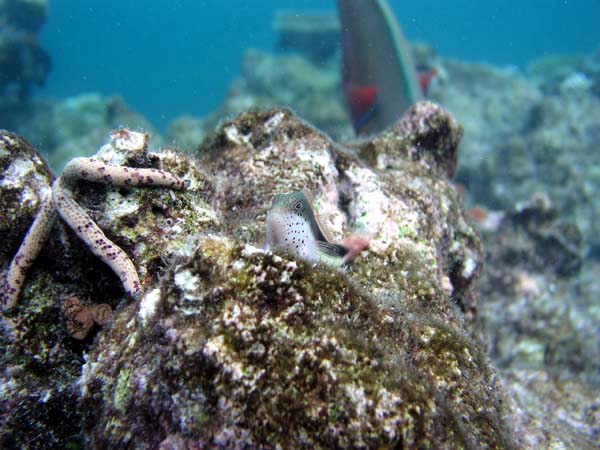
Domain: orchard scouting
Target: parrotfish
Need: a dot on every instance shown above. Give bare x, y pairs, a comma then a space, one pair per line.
379, 78
293, 227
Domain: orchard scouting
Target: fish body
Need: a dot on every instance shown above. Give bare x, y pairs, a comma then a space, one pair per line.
293, 227
379, 78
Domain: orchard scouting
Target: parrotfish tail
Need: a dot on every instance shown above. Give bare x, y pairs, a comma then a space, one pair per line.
28, 251
362, 121
362, 102
94, 238
94, 170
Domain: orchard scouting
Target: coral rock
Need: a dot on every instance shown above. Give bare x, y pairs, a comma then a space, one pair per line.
240, 348
25, 182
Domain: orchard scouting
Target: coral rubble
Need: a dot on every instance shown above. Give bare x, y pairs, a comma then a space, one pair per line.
527, 135
539, 317
537, 313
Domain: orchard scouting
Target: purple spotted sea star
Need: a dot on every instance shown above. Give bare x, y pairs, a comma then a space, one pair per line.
62, 202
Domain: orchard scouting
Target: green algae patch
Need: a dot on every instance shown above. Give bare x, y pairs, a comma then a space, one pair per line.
272, 331
39, 360
123, 391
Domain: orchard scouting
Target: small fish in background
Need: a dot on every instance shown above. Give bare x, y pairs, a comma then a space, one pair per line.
426, 75
293, 227
379, 78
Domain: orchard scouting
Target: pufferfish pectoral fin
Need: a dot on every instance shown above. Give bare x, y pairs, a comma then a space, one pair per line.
331, 253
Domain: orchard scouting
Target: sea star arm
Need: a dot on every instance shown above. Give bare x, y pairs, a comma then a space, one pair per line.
94, 170
95, 239
62, 201
28, 251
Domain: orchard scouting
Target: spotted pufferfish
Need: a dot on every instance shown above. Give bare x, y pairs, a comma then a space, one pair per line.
293, 227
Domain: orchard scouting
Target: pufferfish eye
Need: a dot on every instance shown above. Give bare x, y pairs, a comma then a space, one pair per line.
298, 205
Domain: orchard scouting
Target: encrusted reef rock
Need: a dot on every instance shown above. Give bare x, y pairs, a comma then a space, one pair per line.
40, 361
236, 347
25, 181
285, 80
28, 15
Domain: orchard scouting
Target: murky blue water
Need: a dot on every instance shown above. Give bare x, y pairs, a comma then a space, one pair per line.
170, 57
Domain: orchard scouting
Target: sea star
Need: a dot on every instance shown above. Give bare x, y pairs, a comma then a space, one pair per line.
63, 202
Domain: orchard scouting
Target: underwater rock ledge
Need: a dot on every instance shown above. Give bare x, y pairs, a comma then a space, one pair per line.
235, 347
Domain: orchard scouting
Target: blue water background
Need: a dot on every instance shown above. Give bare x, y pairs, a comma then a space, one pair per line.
173, 57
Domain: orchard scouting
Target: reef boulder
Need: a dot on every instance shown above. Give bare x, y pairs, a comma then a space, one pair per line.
25, 181
237, 347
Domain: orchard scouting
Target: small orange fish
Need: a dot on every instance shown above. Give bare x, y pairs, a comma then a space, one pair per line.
478, 214
425, 77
